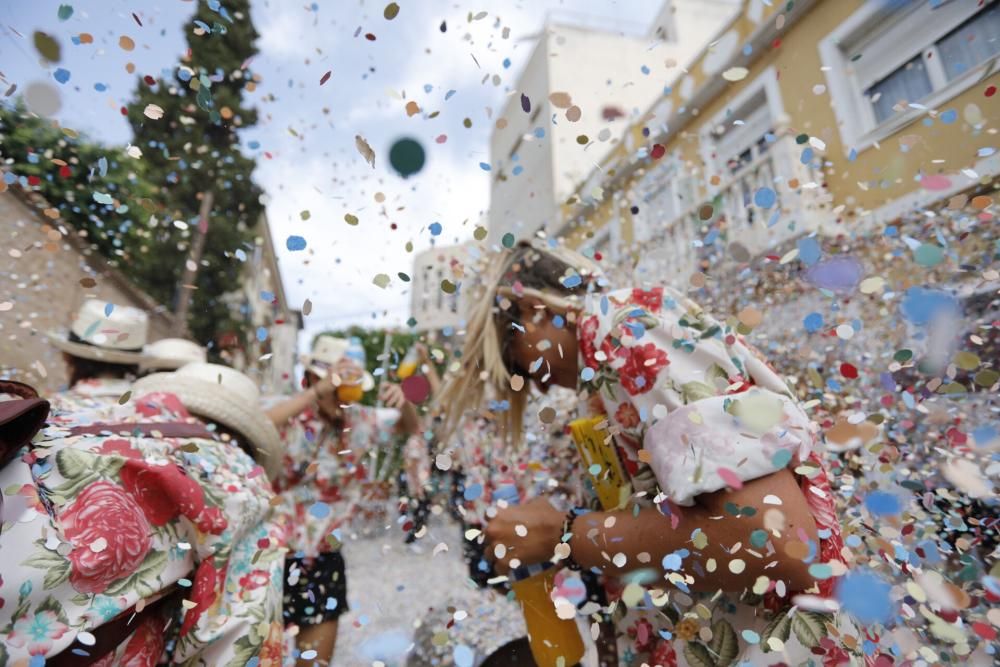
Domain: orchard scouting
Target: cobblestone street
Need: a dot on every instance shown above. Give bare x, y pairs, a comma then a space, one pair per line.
402, 598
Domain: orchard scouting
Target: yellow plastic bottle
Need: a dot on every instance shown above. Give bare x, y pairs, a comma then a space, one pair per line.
555, 642
408, 366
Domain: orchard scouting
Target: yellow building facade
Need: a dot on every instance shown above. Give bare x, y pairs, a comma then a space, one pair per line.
823, 116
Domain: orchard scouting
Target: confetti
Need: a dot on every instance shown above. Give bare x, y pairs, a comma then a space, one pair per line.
406, 157
866, 597
47, 46
365, 150
735, 74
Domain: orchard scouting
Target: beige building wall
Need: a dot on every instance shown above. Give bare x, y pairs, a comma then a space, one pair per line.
41, 268
882, 181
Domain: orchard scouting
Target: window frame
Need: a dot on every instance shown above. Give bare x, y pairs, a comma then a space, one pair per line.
765, 84
872, 31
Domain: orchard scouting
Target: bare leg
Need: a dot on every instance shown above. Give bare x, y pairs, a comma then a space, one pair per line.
321, 638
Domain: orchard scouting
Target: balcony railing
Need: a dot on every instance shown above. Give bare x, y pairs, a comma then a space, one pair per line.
702, 234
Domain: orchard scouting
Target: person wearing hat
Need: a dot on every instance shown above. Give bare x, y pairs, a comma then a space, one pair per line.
227, 398
146, 531
102, 350
325, 432
169, 354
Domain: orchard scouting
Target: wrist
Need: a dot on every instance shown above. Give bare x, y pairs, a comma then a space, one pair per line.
570, 536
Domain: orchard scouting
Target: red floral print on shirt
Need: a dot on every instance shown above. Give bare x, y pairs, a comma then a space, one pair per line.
119, 446
651, 300
147, 643
642, 361
163, 491
627, 416
110, 536
586, 333
203, 594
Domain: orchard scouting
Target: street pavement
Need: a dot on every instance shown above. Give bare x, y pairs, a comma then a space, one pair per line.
402, 598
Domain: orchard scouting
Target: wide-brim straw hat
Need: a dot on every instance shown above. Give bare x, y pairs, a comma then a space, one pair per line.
173, 353
227, 397
106, 332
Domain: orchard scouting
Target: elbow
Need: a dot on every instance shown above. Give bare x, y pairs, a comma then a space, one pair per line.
799, 548
792, 571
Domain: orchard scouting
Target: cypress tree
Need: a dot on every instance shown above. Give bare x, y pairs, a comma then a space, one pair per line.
187, 125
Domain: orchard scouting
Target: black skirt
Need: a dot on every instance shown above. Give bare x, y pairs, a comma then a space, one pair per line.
315, 589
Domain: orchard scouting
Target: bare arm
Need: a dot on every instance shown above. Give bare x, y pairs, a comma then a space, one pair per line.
409, 421
649, 537
281, 413
601, 539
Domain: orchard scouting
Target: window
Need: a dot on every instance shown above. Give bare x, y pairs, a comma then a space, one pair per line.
746, 138
665, 193
909, 82
888, 60
974, 42
741, 147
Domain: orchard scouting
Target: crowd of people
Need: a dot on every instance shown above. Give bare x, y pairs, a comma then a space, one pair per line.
622, 464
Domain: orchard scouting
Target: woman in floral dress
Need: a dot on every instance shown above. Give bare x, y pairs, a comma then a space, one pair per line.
726, 518
114, 530
325, 439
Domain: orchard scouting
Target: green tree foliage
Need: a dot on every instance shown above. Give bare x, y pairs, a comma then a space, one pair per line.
194, 148
98, 190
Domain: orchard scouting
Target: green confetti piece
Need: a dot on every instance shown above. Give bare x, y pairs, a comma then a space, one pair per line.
929, 255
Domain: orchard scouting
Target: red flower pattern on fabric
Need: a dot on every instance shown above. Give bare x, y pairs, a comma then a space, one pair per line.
110, 536
211, 520
586, 334
626, 415
163, 492
160, 404
643, 361
203, 594
651, 300
255, 579
146, 644
664, 655
119, 446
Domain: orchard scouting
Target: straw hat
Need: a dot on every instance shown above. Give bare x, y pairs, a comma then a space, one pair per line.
226, 396
327, 352
172, 353
105, 332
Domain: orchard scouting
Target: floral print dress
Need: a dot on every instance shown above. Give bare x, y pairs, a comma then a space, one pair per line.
322, 478
99, 527
693, 410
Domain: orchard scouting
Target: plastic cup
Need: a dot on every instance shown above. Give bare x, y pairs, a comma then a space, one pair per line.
350, 393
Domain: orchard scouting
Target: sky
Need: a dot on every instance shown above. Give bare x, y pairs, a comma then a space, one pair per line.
307, 159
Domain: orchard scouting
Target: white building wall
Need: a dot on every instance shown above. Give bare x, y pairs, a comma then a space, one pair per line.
523, 203
430, 306
611, 78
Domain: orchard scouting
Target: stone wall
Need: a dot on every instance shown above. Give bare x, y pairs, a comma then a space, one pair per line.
42, 264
